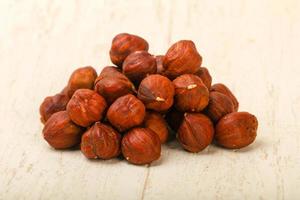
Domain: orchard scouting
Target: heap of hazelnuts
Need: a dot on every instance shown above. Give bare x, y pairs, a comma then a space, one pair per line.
132, 108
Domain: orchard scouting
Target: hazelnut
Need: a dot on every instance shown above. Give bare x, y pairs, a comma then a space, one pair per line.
159, 64
236, 130
141, 146
219, 87
86, 107
138, 65
53, 104
203, 73
218, 106
174, 119
112, 84
60, 132
195, 132
124, 44
156, 92
81, 78
126, 112
190, 93
182, 58
101, 141
157, 124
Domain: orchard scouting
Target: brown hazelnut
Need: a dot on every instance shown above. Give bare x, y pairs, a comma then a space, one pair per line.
126, 112
141, 146
182, 58
157, 124
53, 104
174, 119
203, 73
159, 64
236, 130
138, 65
124, 44
60, 132
101, 141
219, 87
86, 107
218, 106
112, 84
190, 93
156, 92
195, 132
81, 78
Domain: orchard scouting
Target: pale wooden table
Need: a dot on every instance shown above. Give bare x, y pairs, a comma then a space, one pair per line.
252, 46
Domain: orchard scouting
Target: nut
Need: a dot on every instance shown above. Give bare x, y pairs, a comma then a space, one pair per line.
159, 64
219, 87
138, 65
141, 146
101, 141
190, 93
126, 112
218, 106
174, 119
60, 132
112, 84
81, 78
157, 124
203, 73
53, 104
182, 58
236, 130
124, 44
86, 107
156, 92
196, 132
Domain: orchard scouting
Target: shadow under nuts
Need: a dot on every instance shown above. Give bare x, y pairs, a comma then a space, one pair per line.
126, 112
112, 84
182, 58
190, 93
52, 105
86, 107
203, 73
218, 106
141, 146
138, 65
101, 141
83, 77
156, 92
60, 132
195, 132
157, 124
219, 87
236, 130
124, 44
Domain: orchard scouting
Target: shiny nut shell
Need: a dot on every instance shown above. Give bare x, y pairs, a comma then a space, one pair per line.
236, 130
141, 146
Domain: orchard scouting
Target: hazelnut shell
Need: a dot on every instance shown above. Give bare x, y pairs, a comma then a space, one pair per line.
236, 130
86, 107
126, 112
219, 87
141, 146
191, 95
195, 132
60, 132
101, 141
157, 124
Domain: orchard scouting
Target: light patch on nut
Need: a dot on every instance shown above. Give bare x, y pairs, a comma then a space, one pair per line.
159, 99
189, 87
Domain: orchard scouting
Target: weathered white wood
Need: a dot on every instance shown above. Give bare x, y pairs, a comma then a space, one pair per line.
252, 46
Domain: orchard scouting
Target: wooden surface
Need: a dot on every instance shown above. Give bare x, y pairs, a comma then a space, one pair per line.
252, 46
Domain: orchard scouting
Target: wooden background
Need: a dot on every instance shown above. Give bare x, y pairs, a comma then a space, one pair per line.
250, 45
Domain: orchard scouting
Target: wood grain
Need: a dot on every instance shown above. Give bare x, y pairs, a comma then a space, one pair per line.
252, 46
